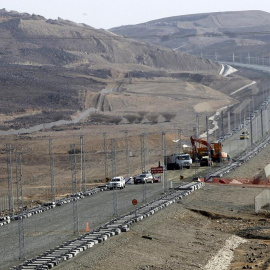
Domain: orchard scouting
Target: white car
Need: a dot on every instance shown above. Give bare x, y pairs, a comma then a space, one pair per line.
117, 182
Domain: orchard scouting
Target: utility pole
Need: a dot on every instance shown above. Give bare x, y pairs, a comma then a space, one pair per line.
10, 182
240, 115
52, 169
20, 204
73, 165
115, 199
143, 162
197, 126
266, 120
179, 141
222, 123
262, 122
248, 58
164, 160
251, 133
142, 143
245, 129
127, 155
105, 155
207, 137
113, 157
229, 119
195, 152
83, 183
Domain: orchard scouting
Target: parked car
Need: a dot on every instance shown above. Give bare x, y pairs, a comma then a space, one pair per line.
144, 178
157, 179
117, 182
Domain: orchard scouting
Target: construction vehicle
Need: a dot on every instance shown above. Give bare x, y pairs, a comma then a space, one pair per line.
202, 148
244, 135
178, 161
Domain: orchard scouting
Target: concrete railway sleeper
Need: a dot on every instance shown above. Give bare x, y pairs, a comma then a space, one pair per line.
28, 213
242, 159
71, 248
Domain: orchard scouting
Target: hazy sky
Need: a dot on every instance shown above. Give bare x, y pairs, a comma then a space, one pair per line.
111, 13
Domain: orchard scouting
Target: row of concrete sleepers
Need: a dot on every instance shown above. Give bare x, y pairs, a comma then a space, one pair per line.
114, 227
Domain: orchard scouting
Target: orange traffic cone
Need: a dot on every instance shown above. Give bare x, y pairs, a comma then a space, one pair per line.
87, 227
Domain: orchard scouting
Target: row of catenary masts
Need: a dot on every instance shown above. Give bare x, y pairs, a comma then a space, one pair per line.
110, 156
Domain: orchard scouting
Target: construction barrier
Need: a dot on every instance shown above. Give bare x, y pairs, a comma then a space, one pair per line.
262, 200
239, 181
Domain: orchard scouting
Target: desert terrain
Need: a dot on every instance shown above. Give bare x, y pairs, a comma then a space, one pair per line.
217, 219
213, 228
56, 70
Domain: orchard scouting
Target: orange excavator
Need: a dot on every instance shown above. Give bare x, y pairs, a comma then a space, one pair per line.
201, 147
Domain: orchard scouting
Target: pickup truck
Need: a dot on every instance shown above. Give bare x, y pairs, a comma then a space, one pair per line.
117, 182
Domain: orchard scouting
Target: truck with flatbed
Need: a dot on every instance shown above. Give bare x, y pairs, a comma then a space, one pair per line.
178, 161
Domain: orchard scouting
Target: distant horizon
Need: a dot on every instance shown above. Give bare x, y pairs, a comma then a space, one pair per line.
107, 14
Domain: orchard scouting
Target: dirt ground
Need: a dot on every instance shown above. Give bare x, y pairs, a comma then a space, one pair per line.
188, 235
185, 235
214, 228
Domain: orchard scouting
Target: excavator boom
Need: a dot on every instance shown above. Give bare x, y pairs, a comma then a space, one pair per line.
214, 149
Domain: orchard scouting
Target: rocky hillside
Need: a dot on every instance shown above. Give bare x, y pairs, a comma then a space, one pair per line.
61, 65
33, 39
207, 34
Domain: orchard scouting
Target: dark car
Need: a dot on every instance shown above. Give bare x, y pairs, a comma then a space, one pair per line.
206, 161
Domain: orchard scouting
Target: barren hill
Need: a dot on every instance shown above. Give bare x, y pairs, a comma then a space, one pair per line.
221, 32
56, 69
61, 66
